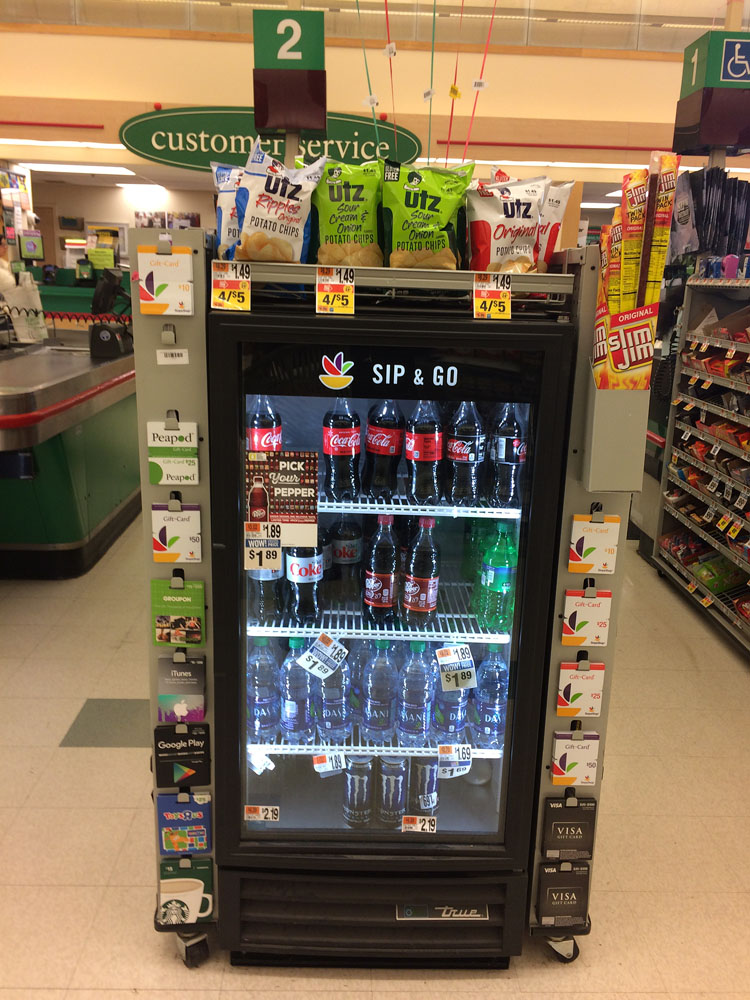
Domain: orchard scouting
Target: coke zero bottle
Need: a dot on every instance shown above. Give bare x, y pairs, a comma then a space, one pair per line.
341, 446
263, 595
263, 425
424, 452
383, 443
507, 455
304, 576
421, 577
381, 574
465, 454
345, 539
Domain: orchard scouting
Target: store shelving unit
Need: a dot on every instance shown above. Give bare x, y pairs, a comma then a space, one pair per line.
726, 499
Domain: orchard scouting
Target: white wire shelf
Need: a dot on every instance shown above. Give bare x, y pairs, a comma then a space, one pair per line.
721, 603
699, 338
400, 504
357, 747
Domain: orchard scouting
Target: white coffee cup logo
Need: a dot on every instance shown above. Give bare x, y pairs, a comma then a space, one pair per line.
182, 901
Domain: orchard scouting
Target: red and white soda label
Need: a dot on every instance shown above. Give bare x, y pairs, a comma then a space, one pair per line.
258, 513
420, 594
384, 440
264, 438
304, 569
462, 449
341, 440
424, 447
347, 550
380, 589
508, 450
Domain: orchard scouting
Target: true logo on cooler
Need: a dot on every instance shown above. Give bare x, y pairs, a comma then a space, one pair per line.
336, 372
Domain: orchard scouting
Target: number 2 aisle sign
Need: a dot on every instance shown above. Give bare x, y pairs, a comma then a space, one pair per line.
288, 39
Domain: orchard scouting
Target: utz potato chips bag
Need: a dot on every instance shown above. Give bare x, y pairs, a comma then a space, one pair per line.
276, 204
551, 217
228, 225
504, 224
423, 215
345, 215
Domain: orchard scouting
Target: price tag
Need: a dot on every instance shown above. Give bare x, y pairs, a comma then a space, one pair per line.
262, 545
390, 50
692, 380
324, 657
334, 291
230, 285
262, 814
689, 406
735, 529
730, 353
727, 491
709, 515
692, 586
429, 94
704, 346
492, 296
258, 762
693, 344
371, 101
454, 93
706, 383
715, 450
454, 761
723, 521
713, 485
478, 84
707, 601
418, 824
703, 416
676, 402
741, 501
686, 435
329, 763
456, 668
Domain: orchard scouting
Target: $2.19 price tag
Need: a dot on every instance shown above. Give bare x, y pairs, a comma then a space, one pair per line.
418, 824
456, 668
492, 296
262, 545
324, 657
334, 291
262, 814
329, 763
230, 285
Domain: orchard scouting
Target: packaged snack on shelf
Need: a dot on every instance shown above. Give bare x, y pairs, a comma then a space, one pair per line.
276, 227
423, 215
718, 574
503, 224
345, 215
741, 548
228, 223
634, 199
720, 365
615, 261
738, 469
656, 238
551, 218
742, 607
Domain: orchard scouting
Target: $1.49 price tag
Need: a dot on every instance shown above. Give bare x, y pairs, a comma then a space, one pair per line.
230, 285
492, 296
418, 824
262, 545
334, 291
456, 668
324, 657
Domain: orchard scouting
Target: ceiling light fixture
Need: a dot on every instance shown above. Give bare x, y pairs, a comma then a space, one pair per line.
61, 144
77, 168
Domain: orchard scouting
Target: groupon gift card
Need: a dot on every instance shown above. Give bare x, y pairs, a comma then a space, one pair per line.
176, 534
172, 453
182, 689
184, 823
177, 614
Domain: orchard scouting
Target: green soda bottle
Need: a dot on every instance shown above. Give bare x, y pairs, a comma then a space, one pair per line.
497, 584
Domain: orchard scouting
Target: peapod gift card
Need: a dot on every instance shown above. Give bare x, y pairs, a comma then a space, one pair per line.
563, 899
593, 543
176, 534
186, 891
575, 758
182, 756
586, 617
184, 822
568, 828
181, 687
172, 453
580, 688
177, 613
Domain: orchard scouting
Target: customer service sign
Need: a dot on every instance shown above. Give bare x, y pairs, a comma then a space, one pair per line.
193, 137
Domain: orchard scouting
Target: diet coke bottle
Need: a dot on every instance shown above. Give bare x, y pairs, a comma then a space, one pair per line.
345, 539
263, 425
381, 574
341, 445
383, 443
421, 578
304, 577
464, 454
424, 452
507, 455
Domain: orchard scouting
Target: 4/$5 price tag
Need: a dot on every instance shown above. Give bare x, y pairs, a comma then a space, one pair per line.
324, 657
334, 291
230, 285
492, 296
456, 668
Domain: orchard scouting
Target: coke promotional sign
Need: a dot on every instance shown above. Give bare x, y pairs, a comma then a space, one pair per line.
283, 486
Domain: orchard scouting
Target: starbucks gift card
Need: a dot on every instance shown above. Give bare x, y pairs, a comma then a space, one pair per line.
184, 823
176, 534
181, 688
186, 891
177, 613
172, 453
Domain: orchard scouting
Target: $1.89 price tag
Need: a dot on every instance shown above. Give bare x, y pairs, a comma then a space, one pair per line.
456, 668
492, 296
418, 824
334, 291
262, 552
324, 657
230, 285
329, 763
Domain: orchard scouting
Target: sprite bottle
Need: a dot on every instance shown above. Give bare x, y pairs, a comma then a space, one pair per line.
497, 582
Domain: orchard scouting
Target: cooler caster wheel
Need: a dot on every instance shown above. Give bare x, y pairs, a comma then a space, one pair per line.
660, 574
192, 948
565, 950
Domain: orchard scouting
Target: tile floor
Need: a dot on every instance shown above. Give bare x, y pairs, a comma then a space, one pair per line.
671, 882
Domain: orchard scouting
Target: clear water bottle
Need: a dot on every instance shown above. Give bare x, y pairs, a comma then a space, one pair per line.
416, 687
491, 700
296, 687
262, 693
379, 683
332, 706
497, 583
360, 651
449, 713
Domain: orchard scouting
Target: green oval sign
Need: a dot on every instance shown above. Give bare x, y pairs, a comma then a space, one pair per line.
193, 137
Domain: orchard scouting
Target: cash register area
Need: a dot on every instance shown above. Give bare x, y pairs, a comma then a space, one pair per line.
671, 877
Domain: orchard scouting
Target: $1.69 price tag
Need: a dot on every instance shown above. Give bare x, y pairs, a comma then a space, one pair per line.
230, 285
491, 296
454, 760
262, 814
324, 657
334, 291
456, 668
418, 824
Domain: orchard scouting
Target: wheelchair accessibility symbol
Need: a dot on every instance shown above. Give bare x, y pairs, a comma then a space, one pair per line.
735, 63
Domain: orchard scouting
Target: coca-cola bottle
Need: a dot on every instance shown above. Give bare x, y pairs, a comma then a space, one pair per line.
304, 576
263, 425
424, 453
263, 595
341, 445
507, 455
384, 441
381, 574
345, 539
464, 453
421, 577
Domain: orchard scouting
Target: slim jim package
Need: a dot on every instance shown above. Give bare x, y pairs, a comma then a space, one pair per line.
634, 197
615, 261
665, 192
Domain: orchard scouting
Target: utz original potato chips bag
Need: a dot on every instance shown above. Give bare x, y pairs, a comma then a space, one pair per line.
551, 217
276, 203
504, 224
345, 215
421, 209
228, 225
